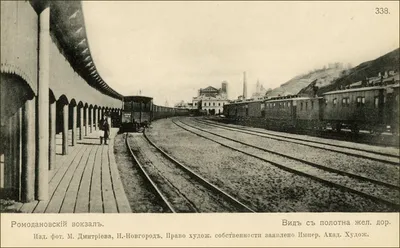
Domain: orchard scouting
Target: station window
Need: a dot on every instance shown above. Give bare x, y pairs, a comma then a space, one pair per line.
312, 104
288, 104
301, 106
334, 101
219, 104
195, 104
306, 105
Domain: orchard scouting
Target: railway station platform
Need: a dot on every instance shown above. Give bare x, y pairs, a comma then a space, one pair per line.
86, 180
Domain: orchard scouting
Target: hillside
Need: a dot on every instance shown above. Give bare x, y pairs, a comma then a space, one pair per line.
369, 69
337, 76
295, 85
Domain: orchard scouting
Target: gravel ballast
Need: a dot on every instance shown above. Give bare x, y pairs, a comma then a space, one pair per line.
258, 184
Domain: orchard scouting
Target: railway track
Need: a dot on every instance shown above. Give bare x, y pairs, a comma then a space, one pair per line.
178, 187
347, 150
374, 190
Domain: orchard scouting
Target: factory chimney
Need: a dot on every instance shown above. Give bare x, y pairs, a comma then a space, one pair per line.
244, 86
224, 88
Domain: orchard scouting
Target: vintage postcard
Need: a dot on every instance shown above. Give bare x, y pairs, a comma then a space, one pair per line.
199, 124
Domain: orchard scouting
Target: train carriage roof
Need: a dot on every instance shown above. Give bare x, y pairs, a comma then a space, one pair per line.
243, 102
137, 98
292, 99
354, 90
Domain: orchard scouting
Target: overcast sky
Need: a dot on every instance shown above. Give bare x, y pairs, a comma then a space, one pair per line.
169, 50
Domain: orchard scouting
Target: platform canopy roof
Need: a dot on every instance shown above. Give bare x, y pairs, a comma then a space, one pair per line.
67, 26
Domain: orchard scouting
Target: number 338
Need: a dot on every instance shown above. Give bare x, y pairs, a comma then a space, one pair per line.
382, 11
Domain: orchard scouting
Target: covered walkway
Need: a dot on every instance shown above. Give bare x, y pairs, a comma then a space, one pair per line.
84, 181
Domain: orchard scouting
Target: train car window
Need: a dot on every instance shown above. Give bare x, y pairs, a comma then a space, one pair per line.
334, 101
376, 102
345, 102
360, 101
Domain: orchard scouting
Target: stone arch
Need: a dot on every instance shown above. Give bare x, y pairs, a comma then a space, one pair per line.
14, 94
63, 99
52, 97
61, 102
73, 102
14, 91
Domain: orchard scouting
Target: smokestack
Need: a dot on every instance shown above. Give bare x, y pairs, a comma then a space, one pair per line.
244, 86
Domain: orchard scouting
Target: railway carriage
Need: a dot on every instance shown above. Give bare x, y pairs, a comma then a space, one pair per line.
279, 113
360, 108
308, 112
136, 113
392, 108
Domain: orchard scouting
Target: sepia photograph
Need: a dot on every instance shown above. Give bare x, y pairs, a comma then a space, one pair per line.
210, 118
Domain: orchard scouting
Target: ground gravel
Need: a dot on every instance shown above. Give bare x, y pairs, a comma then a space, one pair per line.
260, 185
361, 166
140, 198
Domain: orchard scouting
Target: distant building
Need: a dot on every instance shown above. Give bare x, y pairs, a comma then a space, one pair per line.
211, 99
260, 91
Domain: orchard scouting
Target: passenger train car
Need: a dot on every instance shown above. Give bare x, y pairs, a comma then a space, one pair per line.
375, 109
139, 111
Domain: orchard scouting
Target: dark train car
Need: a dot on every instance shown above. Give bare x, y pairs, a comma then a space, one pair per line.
229, 110
279, 113
181, 111
254, 108
308, 112
137, 112
360, 108
391, 110
115, 118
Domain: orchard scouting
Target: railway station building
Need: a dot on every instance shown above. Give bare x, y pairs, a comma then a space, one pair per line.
211, 100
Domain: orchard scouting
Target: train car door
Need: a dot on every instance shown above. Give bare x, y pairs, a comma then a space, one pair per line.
294, 111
